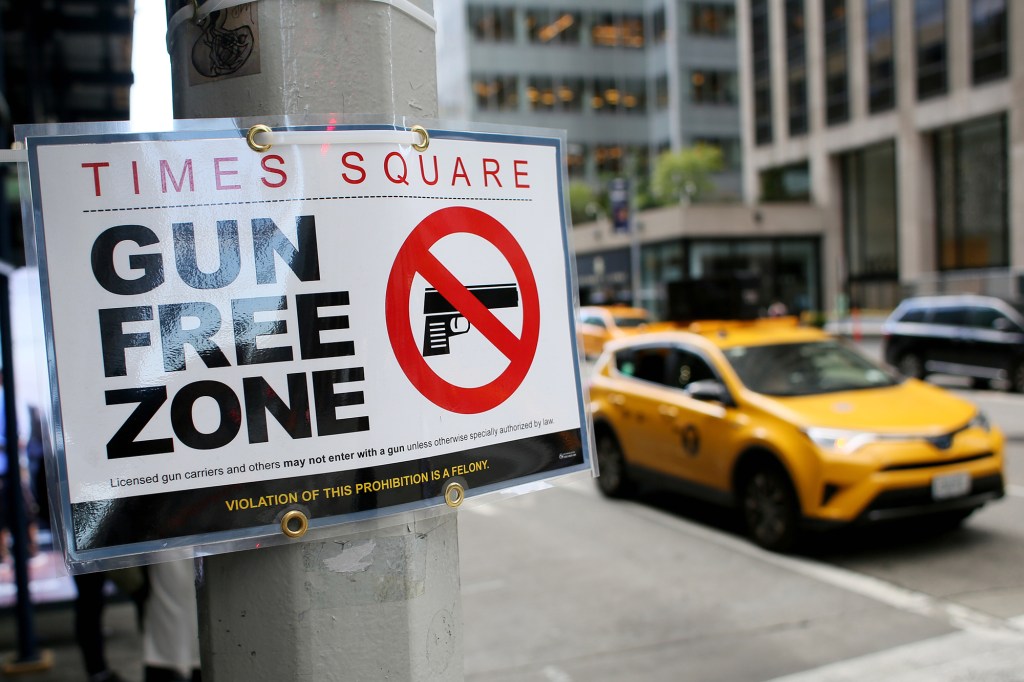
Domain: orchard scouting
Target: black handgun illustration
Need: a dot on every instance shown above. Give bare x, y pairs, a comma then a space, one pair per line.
443, 320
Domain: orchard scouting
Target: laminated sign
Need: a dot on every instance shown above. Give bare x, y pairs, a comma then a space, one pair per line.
337, 326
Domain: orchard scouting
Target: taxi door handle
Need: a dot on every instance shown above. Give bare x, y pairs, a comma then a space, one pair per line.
668, 412
616, 399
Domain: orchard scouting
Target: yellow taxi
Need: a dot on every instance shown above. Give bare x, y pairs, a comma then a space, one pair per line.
600, 324
789, 425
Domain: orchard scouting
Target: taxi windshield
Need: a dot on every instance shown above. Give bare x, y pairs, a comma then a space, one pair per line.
630, 321
794, 369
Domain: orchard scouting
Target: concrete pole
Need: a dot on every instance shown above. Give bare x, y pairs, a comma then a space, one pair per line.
376, 605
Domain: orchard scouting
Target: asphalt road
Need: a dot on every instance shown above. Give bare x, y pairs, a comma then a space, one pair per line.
563, 584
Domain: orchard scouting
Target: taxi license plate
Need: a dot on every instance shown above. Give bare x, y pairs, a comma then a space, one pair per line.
951, 485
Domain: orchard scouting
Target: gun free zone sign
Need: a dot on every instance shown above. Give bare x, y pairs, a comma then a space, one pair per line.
338, 328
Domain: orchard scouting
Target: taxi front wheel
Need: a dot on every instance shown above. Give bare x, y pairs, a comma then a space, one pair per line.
770, 509
612, 478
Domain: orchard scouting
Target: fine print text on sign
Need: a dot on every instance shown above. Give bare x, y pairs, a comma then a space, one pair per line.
339, 329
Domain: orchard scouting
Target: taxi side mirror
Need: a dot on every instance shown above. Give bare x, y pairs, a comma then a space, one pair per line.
709, 391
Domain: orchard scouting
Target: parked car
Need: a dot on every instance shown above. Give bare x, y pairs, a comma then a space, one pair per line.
599, 324
981, 337
790, 426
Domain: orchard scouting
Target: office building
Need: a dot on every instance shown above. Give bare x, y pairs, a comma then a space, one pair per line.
903, 120
627, 79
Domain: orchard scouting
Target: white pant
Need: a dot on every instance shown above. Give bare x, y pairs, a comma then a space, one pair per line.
171, 626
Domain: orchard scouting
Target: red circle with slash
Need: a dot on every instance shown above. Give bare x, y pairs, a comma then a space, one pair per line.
414, 258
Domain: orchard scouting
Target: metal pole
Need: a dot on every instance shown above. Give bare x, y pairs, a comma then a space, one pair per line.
377, 605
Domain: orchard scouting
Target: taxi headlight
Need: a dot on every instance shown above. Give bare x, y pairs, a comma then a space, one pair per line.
980, 421
840, 440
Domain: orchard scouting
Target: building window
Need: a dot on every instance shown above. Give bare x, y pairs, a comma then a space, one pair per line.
870, 233
786, 183
972, 206
930, 31
837, 95
496, 93
796, 66
881, 56
761, 68
492, 24
661, 92
553, 27
612, 96
658, 26
634, 96
576, 159
615, 30
746, 276
609, 158
712, 87
712, 20
989, 46
545, 93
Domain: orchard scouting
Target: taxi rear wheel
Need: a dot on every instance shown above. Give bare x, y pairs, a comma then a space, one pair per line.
613, 479
770, 509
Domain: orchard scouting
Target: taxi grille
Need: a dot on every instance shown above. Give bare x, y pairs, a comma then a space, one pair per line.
936, 462
914, 497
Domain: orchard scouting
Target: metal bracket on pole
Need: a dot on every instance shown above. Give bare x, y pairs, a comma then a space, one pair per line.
261, 138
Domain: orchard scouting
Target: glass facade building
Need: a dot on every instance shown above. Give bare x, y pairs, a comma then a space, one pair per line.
910, 148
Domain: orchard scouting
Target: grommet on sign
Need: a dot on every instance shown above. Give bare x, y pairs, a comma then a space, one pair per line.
422, 132
250, 137
294, 524
454, 494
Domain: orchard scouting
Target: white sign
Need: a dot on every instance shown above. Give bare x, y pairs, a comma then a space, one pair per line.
339, 328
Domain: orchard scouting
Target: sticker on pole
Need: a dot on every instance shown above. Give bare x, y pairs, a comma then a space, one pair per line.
338, 328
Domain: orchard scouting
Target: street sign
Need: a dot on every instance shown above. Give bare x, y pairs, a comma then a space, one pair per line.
518, 351
618, 197
338, 329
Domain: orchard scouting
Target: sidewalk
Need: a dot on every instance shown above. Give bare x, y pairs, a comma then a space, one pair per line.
53, 593
55, 631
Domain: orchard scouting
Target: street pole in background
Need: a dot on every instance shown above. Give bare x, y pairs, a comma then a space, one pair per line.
375, 605
620, 198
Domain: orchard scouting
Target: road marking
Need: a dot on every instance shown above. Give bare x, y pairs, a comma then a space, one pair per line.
555, 674
955, 656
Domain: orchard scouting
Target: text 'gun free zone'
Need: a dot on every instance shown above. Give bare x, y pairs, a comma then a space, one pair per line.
443, 321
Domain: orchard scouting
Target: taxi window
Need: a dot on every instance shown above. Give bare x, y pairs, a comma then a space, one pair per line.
806, 369
649, 364
691, 368
593, 319
629, 322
